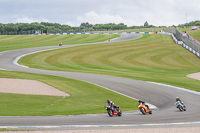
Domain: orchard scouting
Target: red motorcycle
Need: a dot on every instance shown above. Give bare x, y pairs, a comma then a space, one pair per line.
113, 111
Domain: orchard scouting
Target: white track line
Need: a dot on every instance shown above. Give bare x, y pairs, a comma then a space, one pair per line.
15, 61
3, 69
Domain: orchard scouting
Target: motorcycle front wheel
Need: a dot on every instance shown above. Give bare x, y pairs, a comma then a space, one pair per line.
119, 113
143, 111
180, 108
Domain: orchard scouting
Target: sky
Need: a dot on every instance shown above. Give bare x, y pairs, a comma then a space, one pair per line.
74, 12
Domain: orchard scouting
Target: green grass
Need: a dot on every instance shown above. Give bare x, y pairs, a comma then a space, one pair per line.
11, 42
195, 34
150, 58
184, 29
85, 98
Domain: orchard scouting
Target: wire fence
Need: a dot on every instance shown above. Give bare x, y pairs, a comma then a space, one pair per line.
185, 38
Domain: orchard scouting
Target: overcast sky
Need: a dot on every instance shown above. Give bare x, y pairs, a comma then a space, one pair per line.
74, 12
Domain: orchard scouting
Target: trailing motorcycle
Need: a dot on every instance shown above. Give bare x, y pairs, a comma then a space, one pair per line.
144, 108
180, 106
113, 111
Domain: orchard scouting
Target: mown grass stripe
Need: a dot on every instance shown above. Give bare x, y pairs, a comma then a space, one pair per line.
150, 58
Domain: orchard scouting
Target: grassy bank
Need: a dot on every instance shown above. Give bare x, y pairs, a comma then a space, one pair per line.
151, 58
195, 34
84, 98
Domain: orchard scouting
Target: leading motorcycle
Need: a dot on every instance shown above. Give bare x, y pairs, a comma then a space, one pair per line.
180, 106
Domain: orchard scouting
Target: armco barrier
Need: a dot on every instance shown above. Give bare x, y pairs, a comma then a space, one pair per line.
181, 43
185, 38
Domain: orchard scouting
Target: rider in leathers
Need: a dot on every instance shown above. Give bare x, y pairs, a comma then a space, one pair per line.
112, 105
178, 100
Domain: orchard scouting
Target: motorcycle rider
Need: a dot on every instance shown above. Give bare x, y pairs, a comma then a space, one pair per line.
111, 104
179, 102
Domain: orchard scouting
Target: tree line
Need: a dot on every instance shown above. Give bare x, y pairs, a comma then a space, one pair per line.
192, 23
46, 27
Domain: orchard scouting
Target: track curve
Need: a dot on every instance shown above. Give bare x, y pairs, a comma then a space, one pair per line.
161, 96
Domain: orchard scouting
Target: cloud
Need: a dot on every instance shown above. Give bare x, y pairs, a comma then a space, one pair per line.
100, 18
70, 23
74, 12
30, 20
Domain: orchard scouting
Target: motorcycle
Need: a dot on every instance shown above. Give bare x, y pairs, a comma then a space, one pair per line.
144, 108
180, 106
113, 111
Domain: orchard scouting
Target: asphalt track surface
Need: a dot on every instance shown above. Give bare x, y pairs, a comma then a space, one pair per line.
161, 96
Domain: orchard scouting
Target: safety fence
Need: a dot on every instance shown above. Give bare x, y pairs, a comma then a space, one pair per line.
183, 39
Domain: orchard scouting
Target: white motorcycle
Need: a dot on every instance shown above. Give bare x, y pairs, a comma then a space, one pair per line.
180, 106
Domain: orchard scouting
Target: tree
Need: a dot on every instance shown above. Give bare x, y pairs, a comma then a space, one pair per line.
23, 27
10, 27
86, 25
146, 24
1, 27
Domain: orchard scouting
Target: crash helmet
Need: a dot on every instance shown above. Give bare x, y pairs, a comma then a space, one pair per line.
177, 99
108, 101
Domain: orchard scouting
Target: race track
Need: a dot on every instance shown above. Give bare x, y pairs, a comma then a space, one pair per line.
161, 96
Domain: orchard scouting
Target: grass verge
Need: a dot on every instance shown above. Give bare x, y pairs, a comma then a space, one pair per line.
85, 98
